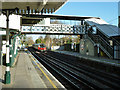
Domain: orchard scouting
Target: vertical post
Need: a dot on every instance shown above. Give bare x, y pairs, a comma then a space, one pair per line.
7, 73
10, 52
15, 46
82, 26
119, 14
0, 49
75, 47
113, 50
98, 50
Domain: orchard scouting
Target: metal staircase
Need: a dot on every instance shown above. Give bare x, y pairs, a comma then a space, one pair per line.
103, 44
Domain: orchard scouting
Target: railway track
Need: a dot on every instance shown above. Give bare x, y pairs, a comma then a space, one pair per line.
76, 76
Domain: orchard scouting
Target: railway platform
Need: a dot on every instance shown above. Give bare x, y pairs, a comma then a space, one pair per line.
92, 58
28, 73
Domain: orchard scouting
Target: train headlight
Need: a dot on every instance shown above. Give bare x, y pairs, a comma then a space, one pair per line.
44, 48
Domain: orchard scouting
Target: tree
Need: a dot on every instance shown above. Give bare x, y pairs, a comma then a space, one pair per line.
38, 41
47, 41
54, 41
29, 41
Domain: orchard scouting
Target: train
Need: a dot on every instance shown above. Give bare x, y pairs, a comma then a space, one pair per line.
41, 47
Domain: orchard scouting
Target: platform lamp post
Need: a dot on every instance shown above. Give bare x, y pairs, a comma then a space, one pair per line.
7, 12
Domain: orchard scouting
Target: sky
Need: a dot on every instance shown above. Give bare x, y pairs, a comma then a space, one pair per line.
108, 11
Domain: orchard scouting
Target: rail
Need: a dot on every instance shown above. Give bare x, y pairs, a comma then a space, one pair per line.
78, 75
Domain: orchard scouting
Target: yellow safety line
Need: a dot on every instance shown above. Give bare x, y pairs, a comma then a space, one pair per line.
46, 76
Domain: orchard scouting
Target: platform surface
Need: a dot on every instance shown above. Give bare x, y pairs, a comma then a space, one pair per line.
25, 75
97, 59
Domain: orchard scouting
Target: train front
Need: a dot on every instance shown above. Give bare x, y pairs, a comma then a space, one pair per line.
42, 48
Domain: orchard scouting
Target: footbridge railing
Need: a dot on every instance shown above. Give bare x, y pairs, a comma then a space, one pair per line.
54, 29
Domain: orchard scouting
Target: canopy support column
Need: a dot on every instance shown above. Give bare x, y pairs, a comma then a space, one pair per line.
7, 73
7, 12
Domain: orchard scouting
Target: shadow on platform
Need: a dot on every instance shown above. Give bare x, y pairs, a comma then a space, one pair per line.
2, 81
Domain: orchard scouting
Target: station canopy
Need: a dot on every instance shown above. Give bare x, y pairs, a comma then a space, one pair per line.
33, 11
33, 7
104, 27
45, 6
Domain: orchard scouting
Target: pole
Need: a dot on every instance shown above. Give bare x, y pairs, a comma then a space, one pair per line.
98, 50
113, 50
1, 50
7, 73
16, 46
75, 46
10, 52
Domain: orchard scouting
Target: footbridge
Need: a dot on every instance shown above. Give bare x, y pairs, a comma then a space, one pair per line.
45, 27
54, 29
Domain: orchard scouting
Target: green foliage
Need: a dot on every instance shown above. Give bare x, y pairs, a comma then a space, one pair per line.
27, 41
69, 41
48, 41
38, 41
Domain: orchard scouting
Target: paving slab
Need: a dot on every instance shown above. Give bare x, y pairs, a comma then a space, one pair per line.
26, 74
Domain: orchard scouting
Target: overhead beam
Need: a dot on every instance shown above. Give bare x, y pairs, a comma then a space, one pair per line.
60, 17
51, 33
42, 5
30, 21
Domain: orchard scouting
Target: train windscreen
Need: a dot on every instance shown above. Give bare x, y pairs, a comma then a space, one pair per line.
42, 45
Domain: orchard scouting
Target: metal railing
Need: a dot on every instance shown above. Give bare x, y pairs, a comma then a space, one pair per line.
54, 28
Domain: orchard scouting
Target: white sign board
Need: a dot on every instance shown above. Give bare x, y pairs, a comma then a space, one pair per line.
14, 21
2, 32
